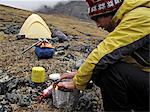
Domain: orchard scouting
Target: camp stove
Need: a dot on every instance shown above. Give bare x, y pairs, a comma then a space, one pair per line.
61, 96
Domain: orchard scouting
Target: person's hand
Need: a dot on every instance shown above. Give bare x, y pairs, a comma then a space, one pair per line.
68, 75
66, 85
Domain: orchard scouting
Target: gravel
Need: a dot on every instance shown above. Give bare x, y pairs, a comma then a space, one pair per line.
15, 71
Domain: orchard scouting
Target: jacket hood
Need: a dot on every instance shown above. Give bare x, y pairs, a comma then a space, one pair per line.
127, 6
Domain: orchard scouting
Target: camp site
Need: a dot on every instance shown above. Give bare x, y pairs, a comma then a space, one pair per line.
58, 56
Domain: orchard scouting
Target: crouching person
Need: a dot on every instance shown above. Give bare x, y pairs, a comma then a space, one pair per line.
120, 63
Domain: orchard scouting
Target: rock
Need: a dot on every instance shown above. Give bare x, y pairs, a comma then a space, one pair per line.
62, 47
89, 101
30, 90
2, 97
3, 88
3, 77
32, 84
1, 72
60, 35
69, 38
24, 82
1, 25
5, 108
6, 31
10, 29
60, 53
12, 97
54, 40
79, 63
75, 37
34, 96
12, 84
19, 37
49, 102
4, 102
38, 87
84, 104
1, 108
24, 100
21, 81
69, 57
82, 48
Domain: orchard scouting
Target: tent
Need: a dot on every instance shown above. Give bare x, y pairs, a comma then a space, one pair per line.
35, 27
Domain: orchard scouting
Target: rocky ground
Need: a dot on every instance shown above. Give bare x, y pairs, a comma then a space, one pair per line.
17, 92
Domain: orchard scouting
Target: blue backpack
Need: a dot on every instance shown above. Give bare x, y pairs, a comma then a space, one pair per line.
44, 52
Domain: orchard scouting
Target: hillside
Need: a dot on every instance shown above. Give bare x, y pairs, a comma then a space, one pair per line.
68, 25
83, 38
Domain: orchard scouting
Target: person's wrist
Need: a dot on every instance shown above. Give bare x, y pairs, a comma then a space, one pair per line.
73, 81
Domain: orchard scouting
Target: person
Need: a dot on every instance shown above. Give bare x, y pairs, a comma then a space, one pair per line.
120, 63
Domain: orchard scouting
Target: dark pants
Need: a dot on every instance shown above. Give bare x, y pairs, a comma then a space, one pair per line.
123, 86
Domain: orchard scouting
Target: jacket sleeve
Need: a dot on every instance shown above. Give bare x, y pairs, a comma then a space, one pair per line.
128, 36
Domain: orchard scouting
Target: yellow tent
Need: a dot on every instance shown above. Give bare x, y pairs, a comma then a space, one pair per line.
35, 27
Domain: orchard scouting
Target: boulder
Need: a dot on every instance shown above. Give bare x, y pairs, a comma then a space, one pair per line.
60, 35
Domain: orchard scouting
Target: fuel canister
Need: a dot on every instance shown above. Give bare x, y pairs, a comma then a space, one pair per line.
38, 75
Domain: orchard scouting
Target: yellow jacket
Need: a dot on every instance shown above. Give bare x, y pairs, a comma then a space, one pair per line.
128, 36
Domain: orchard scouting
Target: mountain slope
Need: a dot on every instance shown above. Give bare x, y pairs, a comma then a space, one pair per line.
69, 25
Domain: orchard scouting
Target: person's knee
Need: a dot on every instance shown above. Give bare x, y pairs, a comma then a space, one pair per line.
99, 75
120, 66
